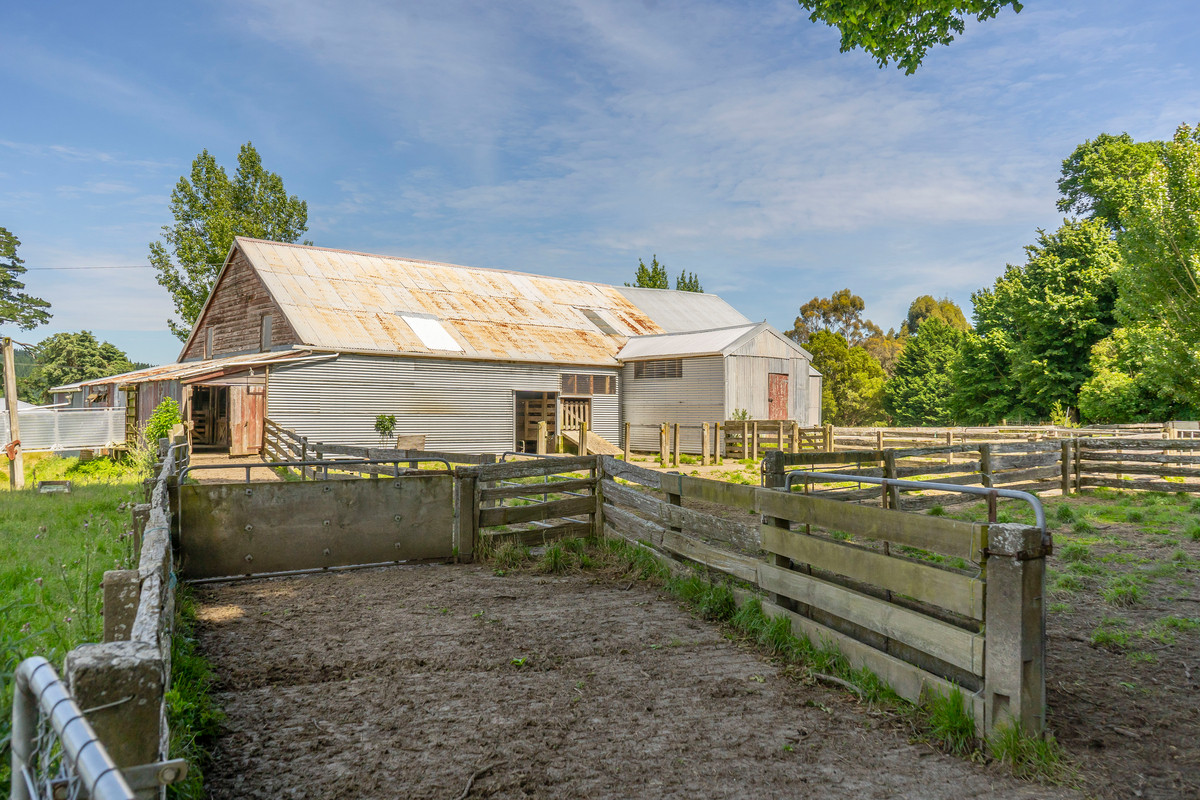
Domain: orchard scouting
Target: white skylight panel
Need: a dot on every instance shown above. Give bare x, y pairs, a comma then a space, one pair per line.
431, 333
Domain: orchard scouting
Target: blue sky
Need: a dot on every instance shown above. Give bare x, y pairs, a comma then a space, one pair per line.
570, 139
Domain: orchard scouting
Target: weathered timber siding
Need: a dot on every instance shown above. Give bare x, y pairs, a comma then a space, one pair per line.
234, 313
459, 406
747, 368
151, 393
815, 384
696, 397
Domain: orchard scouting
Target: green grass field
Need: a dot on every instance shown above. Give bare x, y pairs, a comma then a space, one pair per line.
56, 548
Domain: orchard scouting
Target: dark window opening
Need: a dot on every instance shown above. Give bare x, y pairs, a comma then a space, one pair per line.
666, 368
589, 384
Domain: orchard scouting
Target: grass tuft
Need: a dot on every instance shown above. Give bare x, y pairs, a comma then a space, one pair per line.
951, 725
1075, 551
1122, 591
1065, 513
1030, 756
556, 560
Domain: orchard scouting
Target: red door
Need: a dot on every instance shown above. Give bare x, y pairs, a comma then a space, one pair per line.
247, 404
777, 395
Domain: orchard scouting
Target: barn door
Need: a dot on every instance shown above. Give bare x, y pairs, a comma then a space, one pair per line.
246, 407
777, 395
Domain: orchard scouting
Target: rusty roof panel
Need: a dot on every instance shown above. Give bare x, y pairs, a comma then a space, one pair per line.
340, 300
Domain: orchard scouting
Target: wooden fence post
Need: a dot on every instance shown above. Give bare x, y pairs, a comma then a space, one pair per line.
878, 440
985, 477
583, 438
675, 446
829, 445
704, 437
795, 436
1014, 678
1065, 463
718, 443
745, 440
889, 471
303, 457
468, 516
754, 438
950, 443
779, 442
774, 478
664, 445
543, 432
625, 442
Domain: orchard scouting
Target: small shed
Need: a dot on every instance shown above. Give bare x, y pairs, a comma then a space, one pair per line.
710, 376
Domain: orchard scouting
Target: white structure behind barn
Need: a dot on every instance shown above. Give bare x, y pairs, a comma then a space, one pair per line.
709, 376
324, 341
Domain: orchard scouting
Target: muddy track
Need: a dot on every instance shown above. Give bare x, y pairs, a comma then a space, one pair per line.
406, 682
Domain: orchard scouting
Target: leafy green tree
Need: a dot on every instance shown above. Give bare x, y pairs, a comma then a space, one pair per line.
164, 417
1036, 327
1121, 388
902, 31
886, 349
209, 211
925, 307
852, 384
840, 313
24, 310
69, 357
1100, 177
688, 282
1160, 275
920, 390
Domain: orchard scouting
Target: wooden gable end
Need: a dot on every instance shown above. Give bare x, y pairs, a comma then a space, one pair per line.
235, 316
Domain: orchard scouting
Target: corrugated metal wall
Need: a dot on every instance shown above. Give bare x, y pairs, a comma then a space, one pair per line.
748, 367
459, 406
698, 396
814, 399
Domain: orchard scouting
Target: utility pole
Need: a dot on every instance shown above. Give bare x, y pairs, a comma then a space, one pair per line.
16, 464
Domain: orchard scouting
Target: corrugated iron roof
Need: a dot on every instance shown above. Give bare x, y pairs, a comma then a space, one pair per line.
345, 301
693, 343
679, 312
182, 371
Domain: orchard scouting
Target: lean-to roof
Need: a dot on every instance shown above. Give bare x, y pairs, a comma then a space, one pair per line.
679, 312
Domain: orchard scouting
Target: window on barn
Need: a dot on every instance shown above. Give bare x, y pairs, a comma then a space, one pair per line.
588, 384
264, 333
665, 368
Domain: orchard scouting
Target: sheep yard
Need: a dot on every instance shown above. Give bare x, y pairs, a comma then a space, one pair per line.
408, 681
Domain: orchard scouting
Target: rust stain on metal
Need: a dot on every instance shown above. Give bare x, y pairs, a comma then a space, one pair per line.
354, 301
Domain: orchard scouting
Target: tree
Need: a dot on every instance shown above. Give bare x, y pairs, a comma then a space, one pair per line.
920, 390
655, 277
1036, 327
651, 277
210, 210
70, 357
901, 30
688, 282
925, 307
840, 313
1159, 277
1100, 177
852, 381
886, 349
25, 311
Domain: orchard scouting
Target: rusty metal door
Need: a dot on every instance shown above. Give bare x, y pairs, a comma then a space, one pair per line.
777, 395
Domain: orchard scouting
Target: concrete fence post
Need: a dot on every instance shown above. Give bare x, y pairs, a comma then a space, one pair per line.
1014, 676
122, 683
122, 591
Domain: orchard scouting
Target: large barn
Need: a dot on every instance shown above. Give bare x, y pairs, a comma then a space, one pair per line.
323, 341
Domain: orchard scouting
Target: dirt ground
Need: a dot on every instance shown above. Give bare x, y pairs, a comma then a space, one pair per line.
408, 681
233, 471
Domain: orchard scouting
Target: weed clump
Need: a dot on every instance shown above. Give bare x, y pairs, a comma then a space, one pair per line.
951, 725
1065, 513
1029, 756
1122, 591
1075, 552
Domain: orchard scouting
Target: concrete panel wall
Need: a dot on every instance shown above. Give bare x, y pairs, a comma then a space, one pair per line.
240, 529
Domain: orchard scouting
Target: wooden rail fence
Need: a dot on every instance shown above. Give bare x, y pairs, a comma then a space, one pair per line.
865, 580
